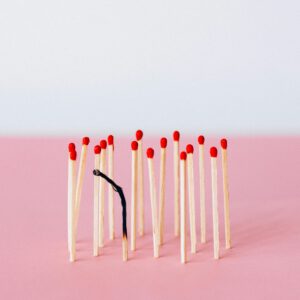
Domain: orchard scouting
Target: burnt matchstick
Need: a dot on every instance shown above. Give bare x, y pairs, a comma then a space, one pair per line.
110, 141
191, 190
139, 137
119, 190
183, 207
224, 145
214, 185
201, 141
176, 137
134, 148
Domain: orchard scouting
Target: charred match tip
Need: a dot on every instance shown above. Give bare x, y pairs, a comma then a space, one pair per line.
176, 135
213, 152
150, 152
163, 142
103, 144
97, 149
96, 172
73, 155
189, 149
71, 147
139, 134
110, 139
134, 145
183, 155
201, 139
224, 144
85, 140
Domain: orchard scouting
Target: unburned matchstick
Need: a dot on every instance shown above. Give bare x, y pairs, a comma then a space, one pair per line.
176, 137
201, 141
226, 194
162, 188
183, 207
110, 141
134, 148
215, 213
191, 189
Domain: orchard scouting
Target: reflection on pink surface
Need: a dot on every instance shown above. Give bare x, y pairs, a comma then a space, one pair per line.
265, 203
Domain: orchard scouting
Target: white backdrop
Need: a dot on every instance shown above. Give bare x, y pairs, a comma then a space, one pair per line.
219, 66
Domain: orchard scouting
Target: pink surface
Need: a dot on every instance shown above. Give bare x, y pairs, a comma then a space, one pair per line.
264, 262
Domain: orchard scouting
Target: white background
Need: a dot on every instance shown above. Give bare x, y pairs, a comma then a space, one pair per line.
73, 67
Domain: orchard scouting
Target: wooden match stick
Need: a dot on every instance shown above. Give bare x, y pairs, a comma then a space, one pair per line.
191, 189
176, 137
139, 137
71, 148
103, 145
226, 194
80, 176
97, 150
150, 155
110, 141
183, 207
72, 199
201, 141
214, 184
162, 189
134, 147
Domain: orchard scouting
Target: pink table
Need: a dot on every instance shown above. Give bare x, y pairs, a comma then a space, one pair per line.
264, 262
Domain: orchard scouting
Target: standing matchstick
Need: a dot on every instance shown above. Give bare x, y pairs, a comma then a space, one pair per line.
226, 193
97, 150
71, 148
176, 137
110, 140
201, 141
81, 172
214, 184
183, 207
134, 147
191, 189
72, 199
103, 145
162, 188
150, 155
139, 135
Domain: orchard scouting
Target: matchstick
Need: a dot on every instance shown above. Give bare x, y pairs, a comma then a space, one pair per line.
110, 141
71, 148
201, 141
80, 176
215, 214
103, 145
97, 150
139, 137
226, 194
183, 207
150, 155
191, 189
162, 188
176, 137
72, 199
134, 148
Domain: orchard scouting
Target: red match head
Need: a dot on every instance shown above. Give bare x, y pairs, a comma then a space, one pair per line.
224, 144
189, 149
150, 152
71, 147
213, 152
176, 135
139, 134
134, 145
85, 140
103, 144
97, 149
73, 155
183, 155
163, 142
201, 139
110, 139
